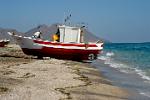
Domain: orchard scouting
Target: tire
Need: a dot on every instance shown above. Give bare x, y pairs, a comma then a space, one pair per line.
39, 57
91, 56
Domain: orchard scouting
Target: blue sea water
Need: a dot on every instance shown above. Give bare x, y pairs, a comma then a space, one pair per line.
133, 60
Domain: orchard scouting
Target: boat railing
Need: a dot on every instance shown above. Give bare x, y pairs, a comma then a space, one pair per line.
99, 41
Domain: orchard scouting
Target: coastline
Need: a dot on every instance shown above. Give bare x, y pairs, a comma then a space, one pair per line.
97, 87
132, 82
51, 79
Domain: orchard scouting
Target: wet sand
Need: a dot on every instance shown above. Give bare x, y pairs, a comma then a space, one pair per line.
23, 77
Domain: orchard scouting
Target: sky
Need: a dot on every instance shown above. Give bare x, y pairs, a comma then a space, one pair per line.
114, 20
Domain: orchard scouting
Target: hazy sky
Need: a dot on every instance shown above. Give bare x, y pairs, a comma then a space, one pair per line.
115, 20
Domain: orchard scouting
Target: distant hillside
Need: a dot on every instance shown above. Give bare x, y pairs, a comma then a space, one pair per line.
4, 35
89, 36
48, 31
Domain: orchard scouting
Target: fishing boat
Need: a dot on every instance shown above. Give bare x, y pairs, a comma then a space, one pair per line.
4, 42
68, 44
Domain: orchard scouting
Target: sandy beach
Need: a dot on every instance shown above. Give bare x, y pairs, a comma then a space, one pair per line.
24, 77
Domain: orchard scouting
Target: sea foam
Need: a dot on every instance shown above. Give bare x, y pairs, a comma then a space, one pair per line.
122, 67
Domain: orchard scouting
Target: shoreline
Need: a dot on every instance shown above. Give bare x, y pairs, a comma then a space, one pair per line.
132, 82
97, 86
56, 80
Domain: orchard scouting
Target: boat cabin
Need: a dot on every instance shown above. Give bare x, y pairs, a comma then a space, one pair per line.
69, 34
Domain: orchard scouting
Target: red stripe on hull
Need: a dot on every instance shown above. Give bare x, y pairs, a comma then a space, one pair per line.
2, 44
73, 54
65, 44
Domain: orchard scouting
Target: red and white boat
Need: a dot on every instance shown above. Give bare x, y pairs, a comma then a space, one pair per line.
69, 46
4, 42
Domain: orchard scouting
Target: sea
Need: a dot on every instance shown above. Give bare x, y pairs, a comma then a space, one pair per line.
127, 65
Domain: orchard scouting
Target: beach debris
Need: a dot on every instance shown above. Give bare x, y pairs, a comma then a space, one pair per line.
27, 75
3, 89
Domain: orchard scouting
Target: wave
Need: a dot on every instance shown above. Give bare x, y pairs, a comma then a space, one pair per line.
132, 59
145, 94
106, 56
109, 58
110, 54
142, 74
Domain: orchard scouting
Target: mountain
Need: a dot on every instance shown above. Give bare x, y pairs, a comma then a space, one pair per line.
89, 36
48, 31
4, 35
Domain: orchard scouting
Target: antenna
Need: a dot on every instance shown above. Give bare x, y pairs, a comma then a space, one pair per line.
67, 19
63, 20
